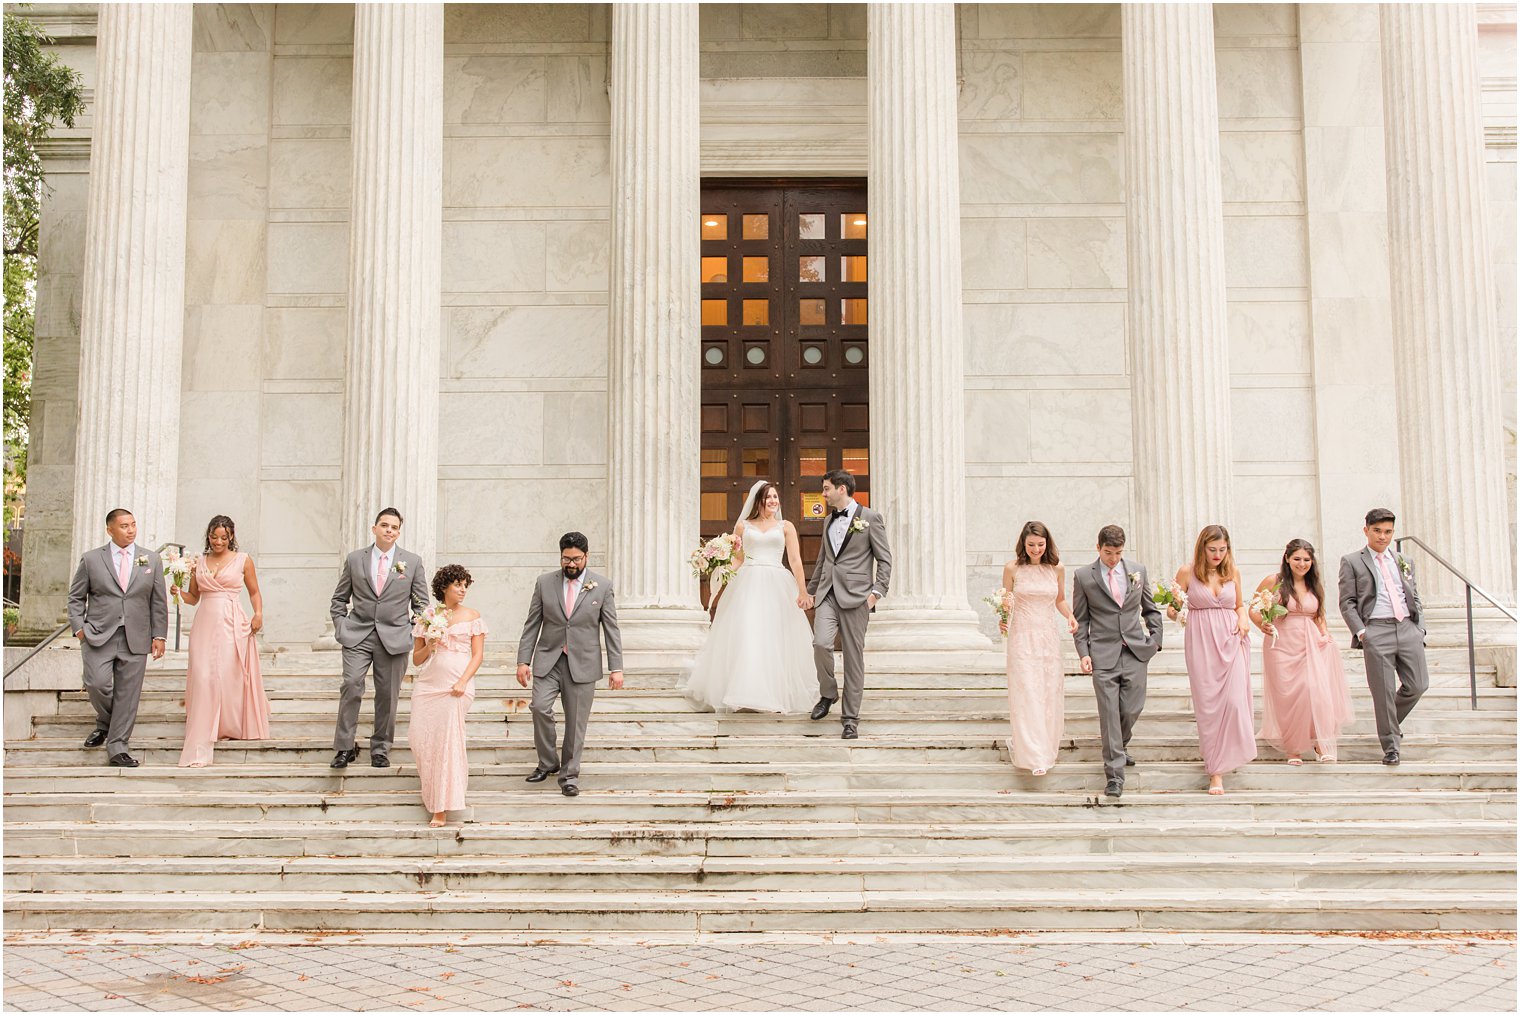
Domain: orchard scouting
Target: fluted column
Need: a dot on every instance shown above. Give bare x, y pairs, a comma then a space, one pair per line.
1445, 340
1179, 355
390, 408
653, 376
918, 453
132, 318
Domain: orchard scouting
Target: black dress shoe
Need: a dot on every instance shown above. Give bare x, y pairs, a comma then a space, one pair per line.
342, 758
822, 708
123, 760
379, 760
1115, 789
570, 789
1391, 759
850, 733
95, 739
540, 774
1129, 762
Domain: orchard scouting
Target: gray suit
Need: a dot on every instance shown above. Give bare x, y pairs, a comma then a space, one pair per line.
840, 586
1120, 640
1393, 651
119, 628
375, 631
565, 653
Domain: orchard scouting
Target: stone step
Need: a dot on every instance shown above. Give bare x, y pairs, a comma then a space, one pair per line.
512, 743
1101, 836
778, 776
800, 911
684, 874
869, 805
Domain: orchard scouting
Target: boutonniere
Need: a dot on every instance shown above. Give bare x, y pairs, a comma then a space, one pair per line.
1134, 579
859, 525
142, 561
399, 567
588, 586
1404, 568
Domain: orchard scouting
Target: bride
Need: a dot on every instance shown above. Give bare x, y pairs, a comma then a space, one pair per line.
759, 652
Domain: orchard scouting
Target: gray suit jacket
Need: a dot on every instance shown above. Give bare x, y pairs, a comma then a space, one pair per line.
864, 563
1104, 628
357, 610
1359, 583
548, 631
98, 605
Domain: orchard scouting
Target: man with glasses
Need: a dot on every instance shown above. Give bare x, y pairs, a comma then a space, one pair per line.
561, 655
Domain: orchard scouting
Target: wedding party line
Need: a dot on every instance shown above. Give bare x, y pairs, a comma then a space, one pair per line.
761, 654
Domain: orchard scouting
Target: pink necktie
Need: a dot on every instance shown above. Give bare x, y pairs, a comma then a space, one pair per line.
380, 574
1115, 586
1393, 600
123, 570
569, 598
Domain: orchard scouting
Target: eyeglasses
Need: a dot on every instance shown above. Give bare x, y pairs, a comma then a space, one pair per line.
572, 560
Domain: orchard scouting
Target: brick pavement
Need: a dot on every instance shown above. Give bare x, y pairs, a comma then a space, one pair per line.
1233, 973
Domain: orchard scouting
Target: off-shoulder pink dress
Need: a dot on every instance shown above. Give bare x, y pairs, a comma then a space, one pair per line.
1304, 697
436, 731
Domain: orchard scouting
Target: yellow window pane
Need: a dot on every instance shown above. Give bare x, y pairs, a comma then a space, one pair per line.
852, 225
714, 461
714, 312
714, 226
757, 269
757, 227
852, 268
757, 462
856, 461
714, 507
852, 311
810, 313
757, 313
812, 461
714, 269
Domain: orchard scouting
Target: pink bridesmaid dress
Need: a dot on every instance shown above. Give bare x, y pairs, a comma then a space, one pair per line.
1219, 675
1036, 683
224, 687
1305, 701
436, 732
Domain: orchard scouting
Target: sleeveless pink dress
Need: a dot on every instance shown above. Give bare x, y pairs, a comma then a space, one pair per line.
1219, 676
1304, 698
1036, 683
436, 731
224, 687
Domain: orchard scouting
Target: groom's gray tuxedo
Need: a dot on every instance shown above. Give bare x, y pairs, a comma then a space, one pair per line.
375, 630
565, 652
1392, 650
1120, 640
840, 585
119, 627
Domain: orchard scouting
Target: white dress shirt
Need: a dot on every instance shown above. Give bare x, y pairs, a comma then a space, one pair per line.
1383, 608
839, 526
377, 560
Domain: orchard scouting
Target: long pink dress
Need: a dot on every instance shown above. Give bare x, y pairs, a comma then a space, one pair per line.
224, 687
1304, 697
1036, 688
1219, 674
436, 732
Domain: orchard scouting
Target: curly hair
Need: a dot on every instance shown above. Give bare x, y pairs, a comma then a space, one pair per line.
222, 522
448, 575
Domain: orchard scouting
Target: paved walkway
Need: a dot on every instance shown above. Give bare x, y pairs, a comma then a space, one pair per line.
890, 974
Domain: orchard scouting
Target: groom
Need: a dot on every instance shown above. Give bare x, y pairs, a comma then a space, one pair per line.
853, 571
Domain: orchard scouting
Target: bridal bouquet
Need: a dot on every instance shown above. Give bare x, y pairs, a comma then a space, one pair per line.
435, 623
1268, 603
1000, 601
178, 570
714, 560
1171, 594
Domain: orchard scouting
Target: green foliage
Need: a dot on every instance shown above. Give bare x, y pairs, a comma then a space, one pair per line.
40, 93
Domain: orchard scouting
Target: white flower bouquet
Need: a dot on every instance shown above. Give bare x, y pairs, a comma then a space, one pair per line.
178, 570
1171, 594
435, 623
1268, 603
1001, 602
715, 561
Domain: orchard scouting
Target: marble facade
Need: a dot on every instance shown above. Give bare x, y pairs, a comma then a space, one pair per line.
526, 276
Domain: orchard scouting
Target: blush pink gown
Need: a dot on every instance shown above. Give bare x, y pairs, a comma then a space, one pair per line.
1036, 684
1219, 676
1304, 697
436, 731
224, 687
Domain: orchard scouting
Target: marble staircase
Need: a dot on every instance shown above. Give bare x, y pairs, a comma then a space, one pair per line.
694, 822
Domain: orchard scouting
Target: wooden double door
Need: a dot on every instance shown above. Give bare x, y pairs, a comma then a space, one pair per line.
785, 347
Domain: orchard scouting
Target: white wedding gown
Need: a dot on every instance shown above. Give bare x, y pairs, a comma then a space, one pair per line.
759, 652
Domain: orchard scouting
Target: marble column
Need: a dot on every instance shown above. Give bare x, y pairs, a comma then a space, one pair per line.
918, 446
653, 370
390, 408
1179, 353
1446, 361
133, 312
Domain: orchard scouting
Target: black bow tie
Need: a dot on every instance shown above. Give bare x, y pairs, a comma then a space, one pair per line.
839, 514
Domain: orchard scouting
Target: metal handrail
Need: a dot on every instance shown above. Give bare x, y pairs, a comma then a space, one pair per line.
64, 627
1472, 647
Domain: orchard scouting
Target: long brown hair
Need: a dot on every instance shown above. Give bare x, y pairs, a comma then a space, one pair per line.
1210, 534
765, 491
1312, 580
1051, 556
